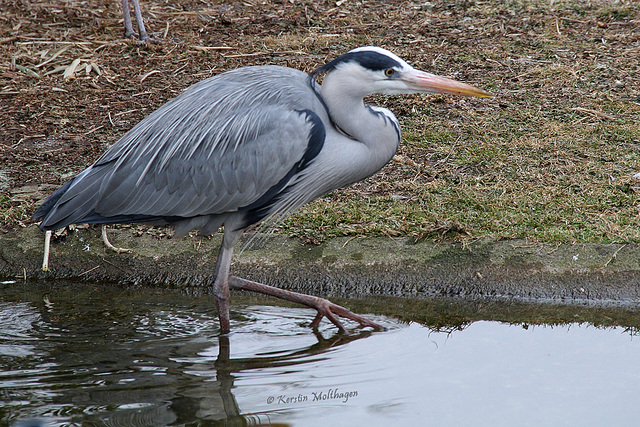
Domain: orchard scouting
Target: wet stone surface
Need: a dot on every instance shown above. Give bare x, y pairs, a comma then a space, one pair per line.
505, 270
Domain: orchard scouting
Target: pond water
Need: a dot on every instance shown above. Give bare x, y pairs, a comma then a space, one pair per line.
80, 354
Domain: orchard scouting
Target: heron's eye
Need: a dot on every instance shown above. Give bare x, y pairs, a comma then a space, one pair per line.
389, 72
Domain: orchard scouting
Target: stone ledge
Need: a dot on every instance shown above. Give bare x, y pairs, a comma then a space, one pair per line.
342, 267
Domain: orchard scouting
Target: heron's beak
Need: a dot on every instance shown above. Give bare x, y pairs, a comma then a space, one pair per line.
425, 82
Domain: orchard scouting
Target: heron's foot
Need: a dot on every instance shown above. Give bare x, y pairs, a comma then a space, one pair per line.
148, 39
155, 37
108, 244
139, 40
324, 307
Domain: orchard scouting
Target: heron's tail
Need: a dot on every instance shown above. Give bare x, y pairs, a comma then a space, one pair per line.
76, 202
72, 203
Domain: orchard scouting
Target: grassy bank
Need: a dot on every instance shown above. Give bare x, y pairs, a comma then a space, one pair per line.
550, 158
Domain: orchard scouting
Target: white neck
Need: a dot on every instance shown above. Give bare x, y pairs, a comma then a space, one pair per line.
375, 127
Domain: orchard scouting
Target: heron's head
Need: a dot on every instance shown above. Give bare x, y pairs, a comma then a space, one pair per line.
370, 70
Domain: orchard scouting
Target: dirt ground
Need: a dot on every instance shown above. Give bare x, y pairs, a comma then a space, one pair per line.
53, 126
71, 84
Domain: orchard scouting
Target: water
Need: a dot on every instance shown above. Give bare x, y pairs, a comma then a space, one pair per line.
78, 354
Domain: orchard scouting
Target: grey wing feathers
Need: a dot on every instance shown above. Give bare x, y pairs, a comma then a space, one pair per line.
214, 149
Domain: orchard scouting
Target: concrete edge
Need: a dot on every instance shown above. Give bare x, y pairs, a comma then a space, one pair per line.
342, 267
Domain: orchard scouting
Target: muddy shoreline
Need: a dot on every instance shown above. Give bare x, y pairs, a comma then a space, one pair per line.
342, 267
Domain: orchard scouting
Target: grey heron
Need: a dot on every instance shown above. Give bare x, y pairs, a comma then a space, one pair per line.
248, 145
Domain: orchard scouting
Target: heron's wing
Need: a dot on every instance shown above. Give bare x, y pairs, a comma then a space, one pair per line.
186, 180
220, 147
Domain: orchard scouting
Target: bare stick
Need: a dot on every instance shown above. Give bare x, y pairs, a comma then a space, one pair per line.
47, 247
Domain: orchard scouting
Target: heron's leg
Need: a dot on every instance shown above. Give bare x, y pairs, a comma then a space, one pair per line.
128, 25
47, 247
221, 284
323, 307
126, 14
108, 244
143, 33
